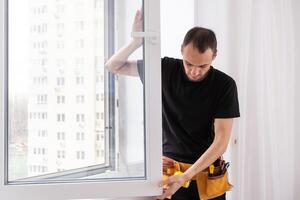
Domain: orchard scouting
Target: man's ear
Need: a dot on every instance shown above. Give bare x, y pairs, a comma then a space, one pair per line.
181, 49
215, 54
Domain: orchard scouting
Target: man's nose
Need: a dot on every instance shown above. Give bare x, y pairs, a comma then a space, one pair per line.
194, 71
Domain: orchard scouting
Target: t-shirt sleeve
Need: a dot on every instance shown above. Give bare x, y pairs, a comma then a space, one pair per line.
141, 71
228, 104
165, 63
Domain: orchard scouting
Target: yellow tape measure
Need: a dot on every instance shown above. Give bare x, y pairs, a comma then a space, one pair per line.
211, 168
187, 183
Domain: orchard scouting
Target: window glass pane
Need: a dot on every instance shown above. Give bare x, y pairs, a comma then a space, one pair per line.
68, 118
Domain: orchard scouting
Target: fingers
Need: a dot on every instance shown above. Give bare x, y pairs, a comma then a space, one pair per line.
168, 165
170, 186
168, 161
138, 22
138, 15
168, 192
167, 183
164, 182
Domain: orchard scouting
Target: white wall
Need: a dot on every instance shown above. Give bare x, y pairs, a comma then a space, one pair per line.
296, 7
208, 14
177, 17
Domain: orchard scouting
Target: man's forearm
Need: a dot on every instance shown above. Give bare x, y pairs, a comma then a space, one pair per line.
119, 59
216, 149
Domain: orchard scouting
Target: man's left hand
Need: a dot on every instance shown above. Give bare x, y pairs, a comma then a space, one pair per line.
171, 185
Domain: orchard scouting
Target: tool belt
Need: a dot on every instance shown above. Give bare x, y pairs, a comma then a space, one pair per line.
210, 184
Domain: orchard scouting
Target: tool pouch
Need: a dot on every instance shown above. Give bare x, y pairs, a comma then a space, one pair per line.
213, 185
217, 185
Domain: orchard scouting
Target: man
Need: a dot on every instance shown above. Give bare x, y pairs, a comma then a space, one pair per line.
199, 103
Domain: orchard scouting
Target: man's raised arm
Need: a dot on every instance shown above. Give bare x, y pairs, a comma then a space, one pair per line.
119, 63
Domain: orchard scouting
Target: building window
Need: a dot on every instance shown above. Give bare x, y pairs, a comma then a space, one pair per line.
80, 155
60, 27
42, 99
43, 115
60, 81
79, 99
80, 117
60, 99
80, 136
61, 117
42, 133
61, 135
61, 154
79, 80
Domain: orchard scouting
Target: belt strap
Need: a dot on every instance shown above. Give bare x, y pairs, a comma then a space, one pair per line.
199, 178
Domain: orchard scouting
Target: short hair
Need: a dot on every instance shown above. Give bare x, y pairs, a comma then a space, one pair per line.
201, 38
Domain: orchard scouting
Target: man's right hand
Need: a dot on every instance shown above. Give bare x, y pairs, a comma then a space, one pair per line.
167, 163
137, 26
119, 63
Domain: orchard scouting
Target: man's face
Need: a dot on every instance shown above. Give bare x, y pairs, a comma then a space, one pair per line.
196, 64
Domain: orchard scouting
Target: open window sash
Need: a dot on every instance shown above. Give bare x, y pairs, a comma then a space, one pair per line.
85, 188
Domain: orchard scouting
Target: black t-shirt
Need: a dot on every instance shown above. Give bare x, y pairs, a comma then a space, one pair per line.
189, 108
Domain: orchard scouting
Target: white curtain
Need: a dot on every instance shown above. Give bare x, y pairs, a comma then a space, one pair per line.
296, 8
256, 48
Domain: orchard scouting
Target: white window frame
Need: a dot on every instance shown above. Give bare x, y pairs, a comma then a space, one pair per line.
153, 136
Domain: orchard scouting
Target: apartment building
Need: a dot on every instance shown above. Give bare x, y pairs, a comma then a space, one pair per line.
66, 100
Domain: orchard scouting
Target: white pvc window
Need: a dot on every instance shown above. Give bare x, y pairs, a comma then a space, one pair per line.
70, 129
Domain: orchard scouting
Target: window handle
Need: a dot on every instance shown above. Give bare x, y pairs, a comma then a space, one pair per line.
152, 37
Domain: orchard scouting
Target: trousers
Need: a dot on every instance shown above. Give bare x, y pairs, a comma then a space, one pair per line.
191, 193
